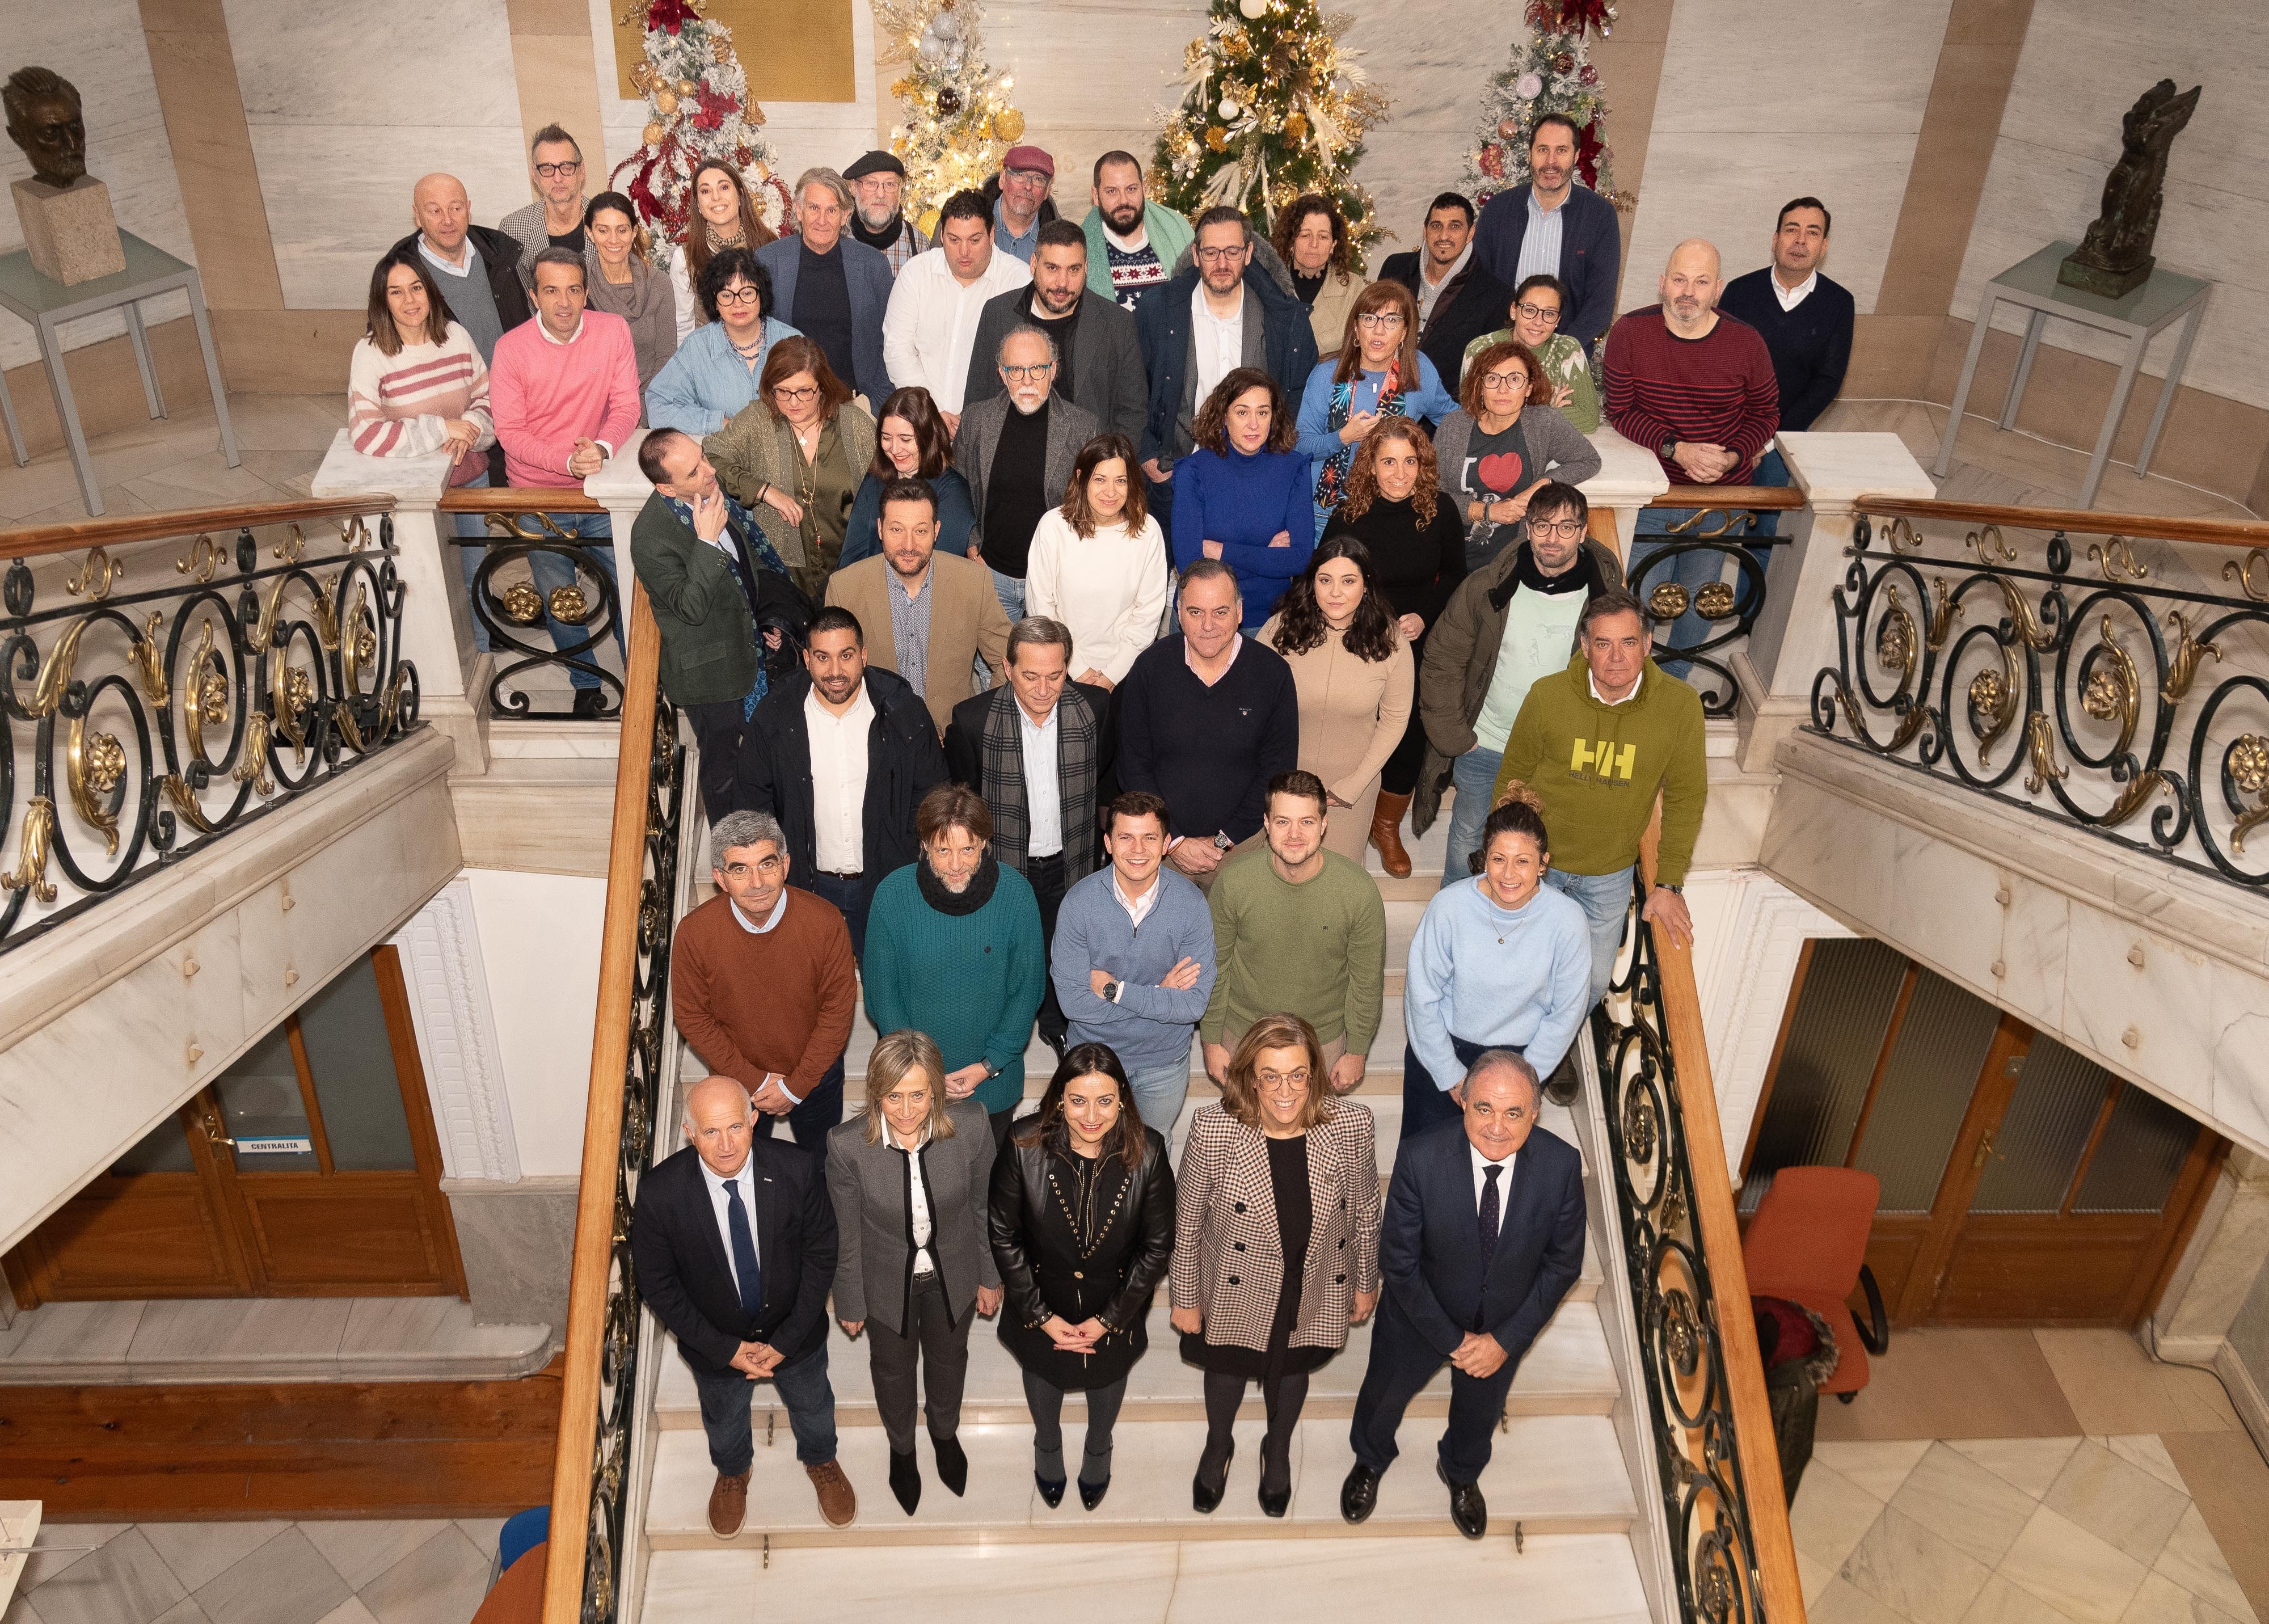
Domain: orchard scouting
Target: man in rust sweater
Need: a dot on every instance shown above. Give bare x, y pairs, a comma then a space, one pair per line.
762, 983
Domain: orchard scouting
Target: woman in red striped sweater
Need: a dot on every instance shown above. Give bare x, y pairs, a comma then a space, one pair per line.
417, 384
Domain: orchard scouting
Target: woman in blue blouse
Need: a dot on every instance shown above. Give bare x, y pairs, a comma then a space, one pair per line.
1376, 374
1243, 496
714, 372
911, 442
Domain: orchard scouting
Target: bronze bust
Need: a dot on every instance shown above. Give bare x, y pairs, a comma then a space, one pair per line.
2115, 258
44, 120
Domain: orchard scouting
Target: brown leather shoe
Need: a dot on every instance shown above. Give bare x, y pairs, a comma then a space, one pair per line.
729, 1505
837, 1503
1387, 834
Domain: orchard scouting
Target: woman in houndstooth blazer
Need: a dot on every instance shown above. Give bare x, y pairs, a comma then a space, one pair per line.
1275, 1244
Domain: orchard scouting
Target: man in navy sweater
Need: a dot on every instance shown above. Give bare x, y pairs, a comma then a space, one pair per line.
1553, 226
1206, 719
1806, 321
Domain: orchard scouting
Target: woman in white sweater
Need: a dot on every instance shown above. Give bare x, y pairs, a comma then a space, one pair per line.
1098, 564
416, 384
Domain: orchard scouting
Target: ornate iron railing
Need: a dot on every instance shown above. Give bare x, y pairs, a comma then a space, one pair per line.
142, 722
532, 628
591, 1472
2116, 681
1722, 528
1722, 1509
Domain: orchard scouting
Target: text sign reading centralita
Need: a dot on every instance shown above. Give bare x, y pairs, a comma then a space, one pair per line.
275, 1146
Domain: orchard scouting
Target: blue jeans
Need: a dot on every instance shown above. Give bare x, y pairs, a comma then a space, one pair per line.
1606, 899
803, 1391
1159, 1092
1473, 775
811, 1117
1010, 590
850, 899
551, 571
1691, 570
1772, 470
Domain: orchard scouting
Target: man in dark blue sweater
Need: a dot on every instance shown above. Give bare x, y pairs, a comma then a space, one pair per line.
1206, 719
1806, 321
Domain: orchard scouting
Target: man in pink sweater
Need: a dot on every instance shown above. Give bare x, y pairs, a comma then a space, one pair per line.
564, 392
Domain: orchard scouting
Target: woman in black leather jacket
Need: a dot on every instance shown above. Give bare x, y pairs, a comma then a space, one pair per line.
1082, 1219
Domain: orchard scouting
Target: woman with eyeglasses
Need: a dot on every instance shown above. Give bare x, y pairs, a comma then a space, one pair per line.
714, 372
1275, 1244
720, 215
911, 442
1537, 306
1503, 441
794, 457
1378, 373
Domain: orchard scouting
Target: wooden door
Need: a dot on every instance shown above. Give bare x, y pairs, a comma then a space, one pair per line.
309, 1169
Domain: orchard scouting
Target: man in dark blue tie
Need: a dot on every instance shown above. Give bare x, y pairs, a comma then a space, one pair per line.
734, 1239
1483, 1235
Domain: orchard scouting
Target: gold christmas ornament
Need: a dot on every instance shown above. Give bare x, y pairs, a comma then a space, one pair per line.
653, 133
1296, 126
1008, 124
1216, 137
665, 100
686, 87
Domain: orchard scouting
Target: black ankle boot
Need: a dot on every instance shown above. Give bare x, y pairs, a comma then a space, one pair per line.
952, 1463
905, 1480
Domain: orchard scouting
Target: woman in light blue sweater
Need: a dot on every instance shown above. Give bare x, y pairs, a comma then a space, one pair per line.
714, 372
1497, 962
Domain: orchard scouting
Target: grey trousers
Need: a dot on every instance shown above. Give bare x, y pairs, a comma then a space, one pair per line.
942, 1348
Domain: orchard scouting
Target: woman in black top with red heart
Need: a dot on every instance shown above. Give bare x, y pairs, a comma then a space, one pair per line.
1505, 439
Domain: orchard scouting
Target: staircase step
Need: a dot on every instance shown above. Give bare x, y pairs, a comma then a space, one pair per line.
1567, 1372
1561, 1474
1550, 1579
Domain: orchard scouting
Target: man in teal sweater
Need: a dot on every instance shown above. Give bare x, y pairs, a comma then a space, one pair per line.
953, 949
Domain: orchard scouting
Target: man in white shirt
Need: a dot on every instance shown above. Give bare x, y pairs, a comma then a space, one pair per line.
930, 329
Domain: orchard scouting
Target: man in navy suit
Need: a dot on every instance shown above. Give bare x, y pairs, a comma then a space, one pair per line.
734, 1239
830, 287
1551, 224
1483, 1235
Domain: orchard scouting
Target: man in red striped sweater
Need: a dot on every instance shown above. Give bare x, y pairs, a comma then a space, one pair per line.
1695, 387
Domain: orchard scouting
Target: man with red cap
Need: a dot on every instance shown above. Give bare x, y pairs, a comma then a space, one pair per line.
1021, 204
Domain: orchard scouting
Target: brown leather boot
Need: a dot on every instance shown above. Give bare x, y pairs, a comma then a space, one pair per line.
837, 1503
729, 1505
1387, 834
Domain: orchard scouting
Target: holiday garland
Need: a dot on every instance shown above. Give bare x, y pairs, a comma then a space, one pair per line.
698, 94
1551, 71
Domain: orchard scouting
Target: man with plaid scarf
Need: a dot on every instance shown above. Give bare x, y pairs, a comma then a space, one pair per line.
1034, 749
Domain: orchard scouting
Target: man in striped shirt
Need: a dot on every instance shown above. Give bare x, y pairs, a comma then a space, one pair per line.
1695, 387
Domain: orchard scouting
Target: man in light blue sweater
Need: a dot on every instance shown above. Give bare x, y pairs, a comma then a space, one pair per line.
1134, 959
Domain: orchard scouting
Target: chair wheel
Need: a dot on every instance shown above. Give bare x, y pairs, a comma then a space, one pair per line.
1845, 1398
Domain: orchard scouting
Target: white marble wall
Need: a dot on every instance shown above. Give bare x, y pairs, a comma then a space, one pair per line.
1763, 102
2084, 62
99, 47
347, 106
539, 943
1433, 59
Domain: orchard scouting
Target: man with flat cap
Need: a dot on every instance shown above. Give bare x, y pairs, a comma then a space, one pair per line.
878, 184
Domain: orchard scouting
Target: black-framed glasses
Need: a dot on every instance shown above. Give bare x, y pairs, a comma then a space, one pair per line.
1380, 321
1539, 312
1506, 383
808, 392
1037, 372
742, 295
1555, 527
1221, 256
552, 171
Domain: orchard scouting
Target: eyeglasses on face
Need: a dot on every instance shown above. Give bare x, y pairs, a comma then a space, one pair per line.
742, 295
552, 171
1037, 372
783, 393
1284, 1082
1555, 527
1506, 383
1539, 312
766, 866
1221, 256
1378, 321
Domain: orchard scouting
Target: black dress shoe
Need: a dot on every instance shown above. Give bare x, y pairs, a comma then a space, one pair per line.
1276, 1503
587, 701
1208, 1500
1467, 1509
905, 1479
1560, 1088
1050, 1492
952, 1463
1359, 1494
1090, 1494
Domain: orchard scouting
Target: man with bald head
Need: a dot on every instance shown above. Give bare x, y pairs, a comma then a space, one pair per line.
1483, 1235
1696, 387
477, 270
734, 1241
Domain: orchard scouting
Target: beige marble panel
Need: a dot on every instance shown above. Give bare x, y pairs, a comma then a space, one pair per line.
2144, 1450
311, 63
1832, 1514
2165, 1004
2162, 1601
291, 1340
2117, 1500
2000, 1602
2194, 1561
2030, 1464
1913, 1572
1876, 1468
1966, 1505
2083, 1578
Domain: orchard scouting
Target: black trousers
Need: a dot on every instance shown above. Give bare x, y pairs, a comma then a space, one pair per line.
942, 1347
1045, 1400
717, 729
1400, 775
1401, 1363
1046, 875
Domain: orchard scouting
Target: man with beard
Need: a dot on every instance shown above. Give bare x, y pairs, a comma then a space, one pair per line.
877, 184
1552, 226
1017, 448
1132, 243
929, 334
1098, 359
830, 288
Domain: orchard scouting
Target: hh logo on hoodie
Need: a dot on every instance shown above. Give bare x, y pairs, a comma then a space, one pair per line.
1602, 760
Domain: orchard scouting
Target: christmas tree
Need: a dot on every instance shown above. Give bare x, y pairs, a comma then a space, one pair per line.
1551, 72
959, 122
1276, 108
698, 97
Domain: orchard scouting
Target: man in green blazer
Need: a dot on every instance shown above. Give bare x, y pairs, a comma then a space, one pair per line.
701, 560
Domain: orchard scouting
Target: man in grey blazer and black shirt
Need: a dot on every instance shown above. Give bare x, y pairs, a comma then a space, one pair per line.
1098, 359
1016, 452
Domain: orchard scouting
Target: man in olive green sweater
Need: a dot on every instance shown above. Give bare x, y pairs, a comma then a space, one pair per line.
1593, 744
1300, 930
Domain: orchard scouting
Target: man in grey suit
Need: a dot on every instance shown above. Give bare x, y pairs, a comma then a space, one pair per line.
1016, 452
831, 288
1098, 358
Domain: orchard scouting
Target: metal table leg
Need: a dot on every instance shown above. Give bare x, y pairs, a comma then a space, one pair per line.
196, 291
1945, 463
150, 390
15, 433
2167, 389
2117, 410
2033, 325
51, 349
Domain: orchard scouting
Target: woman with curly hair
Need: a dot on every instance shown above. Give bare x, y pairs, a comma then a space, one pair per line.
1242, 496
1379, 375
1311, 237
1417, 541
714, 372
1352, 668
1505, 439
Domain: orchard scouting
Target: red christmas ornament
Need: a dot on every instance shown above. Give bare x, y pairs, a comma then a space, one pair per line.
1576, 17
1492, 162
715, 106
670, 15
1588, 148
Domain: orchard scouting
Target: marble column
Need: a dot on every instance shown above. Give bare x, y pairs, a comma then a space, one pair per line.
1628, 478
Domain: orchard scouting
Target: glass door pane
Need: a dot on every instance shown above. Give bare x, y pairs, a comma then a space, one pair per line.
262, 1110
1851, 987
2041, 1136
350, 1054
2144, 1147
1925, 1091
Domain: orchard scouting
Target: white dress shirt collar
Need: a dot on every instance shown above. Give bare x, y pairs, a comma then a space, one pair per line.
1189, 660
746, 1179
1593, 682
1138, 908
562, 342
1043, 785
1791, 298
779, 910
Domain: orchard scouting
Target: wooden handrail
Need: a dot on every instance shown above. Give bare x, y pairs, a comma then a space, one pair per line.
1717, 1227
35, 541
518, 499
1731, 496
2147, 526
602, 1126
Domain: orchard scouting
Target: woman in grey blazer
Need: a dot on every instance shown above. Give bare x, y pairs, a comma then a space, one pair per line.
910, 1177
1276, 1243
1505, 439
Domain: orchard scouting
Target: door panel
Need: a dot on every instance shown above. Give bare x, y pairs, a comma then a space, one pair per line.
2139, 1158
2037, 1148
311, 1243
151, 1226
1916, 1111
2041, 1269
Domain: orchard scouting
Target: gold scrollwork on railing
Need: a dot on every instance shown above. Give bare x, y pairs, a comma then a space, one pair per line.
2115, 556
1696, 527
2244, 574
30, 871
1990, 545
205, 702
292, 691
2247, 766
2112, 689
98, 572
2132, 797
2021, 617
354, 533
1902, 536
2040, 743
1992, 702
253, 767
1896, 645
293, 545
149, 661
2182, 664
201, 559
1944, 612
93, 763
185, 803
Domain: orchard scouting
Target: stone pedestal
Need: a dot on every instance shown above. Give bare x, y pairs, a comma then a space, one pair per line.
70, 231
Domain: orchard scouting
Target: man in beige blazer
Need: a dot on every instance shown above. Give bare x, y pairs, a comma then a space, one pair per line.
928, 616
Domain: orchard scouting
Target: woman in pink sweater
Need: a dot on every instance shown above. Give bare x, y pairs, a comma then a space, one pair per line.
416, 385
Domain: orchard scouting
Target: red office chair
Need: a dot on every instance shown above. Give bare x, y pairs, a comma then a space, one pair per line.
1807, 1242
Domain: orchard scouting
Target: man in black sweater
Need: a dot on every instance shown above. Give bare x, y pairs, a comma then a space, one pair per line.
1806, 321
1458, 298
1206, 719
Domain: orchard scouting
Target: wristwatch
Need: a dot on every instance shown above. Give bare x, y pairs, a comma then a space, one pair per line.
1667, 449
991, 1071
1110, 992
1220, 840
1680, 889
